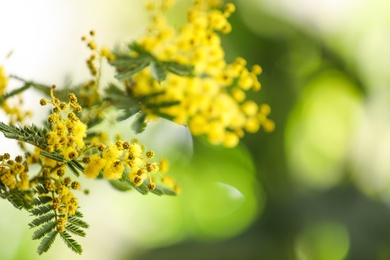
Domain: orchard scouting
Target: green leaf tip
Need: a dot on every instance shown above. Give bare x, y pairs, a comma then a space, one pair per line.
158, 71
28, 134
139, 123
47, 242
71, 243
45, 229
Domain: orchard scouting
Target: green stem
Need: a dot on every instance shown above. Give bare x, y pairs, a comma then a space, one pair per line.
13, 93
41, 87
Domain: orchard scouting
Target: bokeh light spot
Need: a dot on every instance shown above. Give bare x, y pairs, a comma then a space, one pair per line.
319, 130
323, 240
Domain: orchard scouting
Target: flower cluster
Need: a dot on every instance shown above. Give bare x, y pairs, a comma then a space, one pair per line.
89, 93
13, 173
67, 131
67, 137
63, 201
130, 157
213, 103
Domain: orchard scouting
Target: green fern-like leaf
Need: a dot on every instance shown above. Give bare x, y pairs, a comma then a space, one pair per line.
134, 46
125, 60
125, 184
163, 104
28, 134
71, 243
129, 71
19, 199
115, 93
13, 93
121, 185
47, 242
45, 229
40, 189
37, 211
139, 124
119, 98
127, 105
77, 165
157, 112
93, 121
78, 214
143, 189
75, 230
41, 200
180, 69
128, 65
126, 113
158, 71
160, 190
150, 96
41, 220
73, 168
75, 220
41, 87
53, 156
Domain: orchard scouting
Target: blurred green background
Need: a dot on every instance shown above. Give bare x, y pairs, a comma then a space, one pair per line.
316, 188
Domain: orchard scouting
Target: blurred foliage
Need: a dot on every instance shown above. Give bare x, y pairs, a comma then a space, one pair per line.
305, 83
323, 240
318, 132
227, 198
